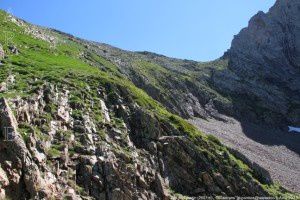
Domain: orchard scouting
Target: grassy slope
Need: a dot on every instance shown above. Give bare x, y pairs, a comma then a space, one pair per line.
172, 78
62, 65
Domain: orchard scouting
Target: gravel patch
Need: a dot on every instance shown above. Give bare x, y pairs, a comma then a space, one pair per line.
260, 145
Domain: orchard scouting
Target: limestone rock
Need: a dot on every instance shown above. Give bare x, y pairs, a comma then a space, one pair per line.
264, 63
63, 107
2, 53
4, 182
105, 111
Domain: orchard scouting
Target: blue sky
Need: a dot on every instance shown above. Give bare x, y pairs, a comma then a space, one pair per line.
192, 29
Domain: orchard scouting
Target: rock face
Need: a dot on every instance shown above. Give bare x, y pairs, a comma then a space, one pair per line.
143, 158
264, 66
17, 160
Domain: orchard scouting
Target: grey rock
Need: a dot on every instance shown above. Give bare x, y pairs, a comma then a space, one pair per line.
13, 49
264, 64
2, 53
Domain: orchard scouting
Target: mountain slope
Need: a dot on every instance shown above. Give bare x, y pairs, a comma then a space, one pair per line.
256, 82
252, 83
74, 125
257, 79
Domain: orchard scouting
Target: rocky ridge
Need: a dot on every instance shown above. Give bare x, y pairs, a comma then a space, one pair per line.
78, 157
264, 66
257, 79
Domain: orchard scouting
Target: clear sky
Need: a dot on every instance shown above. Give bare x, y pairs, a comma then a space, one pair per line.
191, 29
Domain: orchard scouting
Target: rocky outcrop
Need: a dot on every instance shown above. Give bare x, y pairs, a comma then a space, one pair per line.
262, 174
7, 83
264, 66
105, 111
4, 182
13, 49
2, 54
16, 159
190, 171
143, 158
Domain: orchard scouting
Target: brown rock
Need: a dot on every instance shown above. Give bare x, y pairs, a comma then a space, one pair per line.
207, 179
221, 181
3, 182
117, 194
160, 187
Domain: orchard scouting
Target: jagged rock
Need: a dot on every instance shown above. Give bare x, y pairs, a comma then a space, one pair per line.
13, 49
33, 181
222, 183
3, 87
10, 79
152, 146
117, 194
65, 156
71, 195
105, 111
112, 172
264, 65
192, 106
4, 182
38, 156
64, 109
17, 150
15, 20
122, 112
88, 124
8, 82
160, 187
2, 54
145, 127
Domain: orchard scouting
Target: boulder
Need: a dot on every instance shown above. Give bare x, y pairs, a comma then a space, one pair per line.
13, 49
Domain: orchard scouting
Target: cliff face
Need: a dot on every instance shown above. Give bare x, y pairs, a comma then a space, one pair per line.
264, 66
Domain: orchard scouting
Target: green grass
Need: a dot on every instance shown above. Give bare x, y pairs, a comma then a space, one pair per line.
25, 130
279, 192
151, 71
53, 153
213, 139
